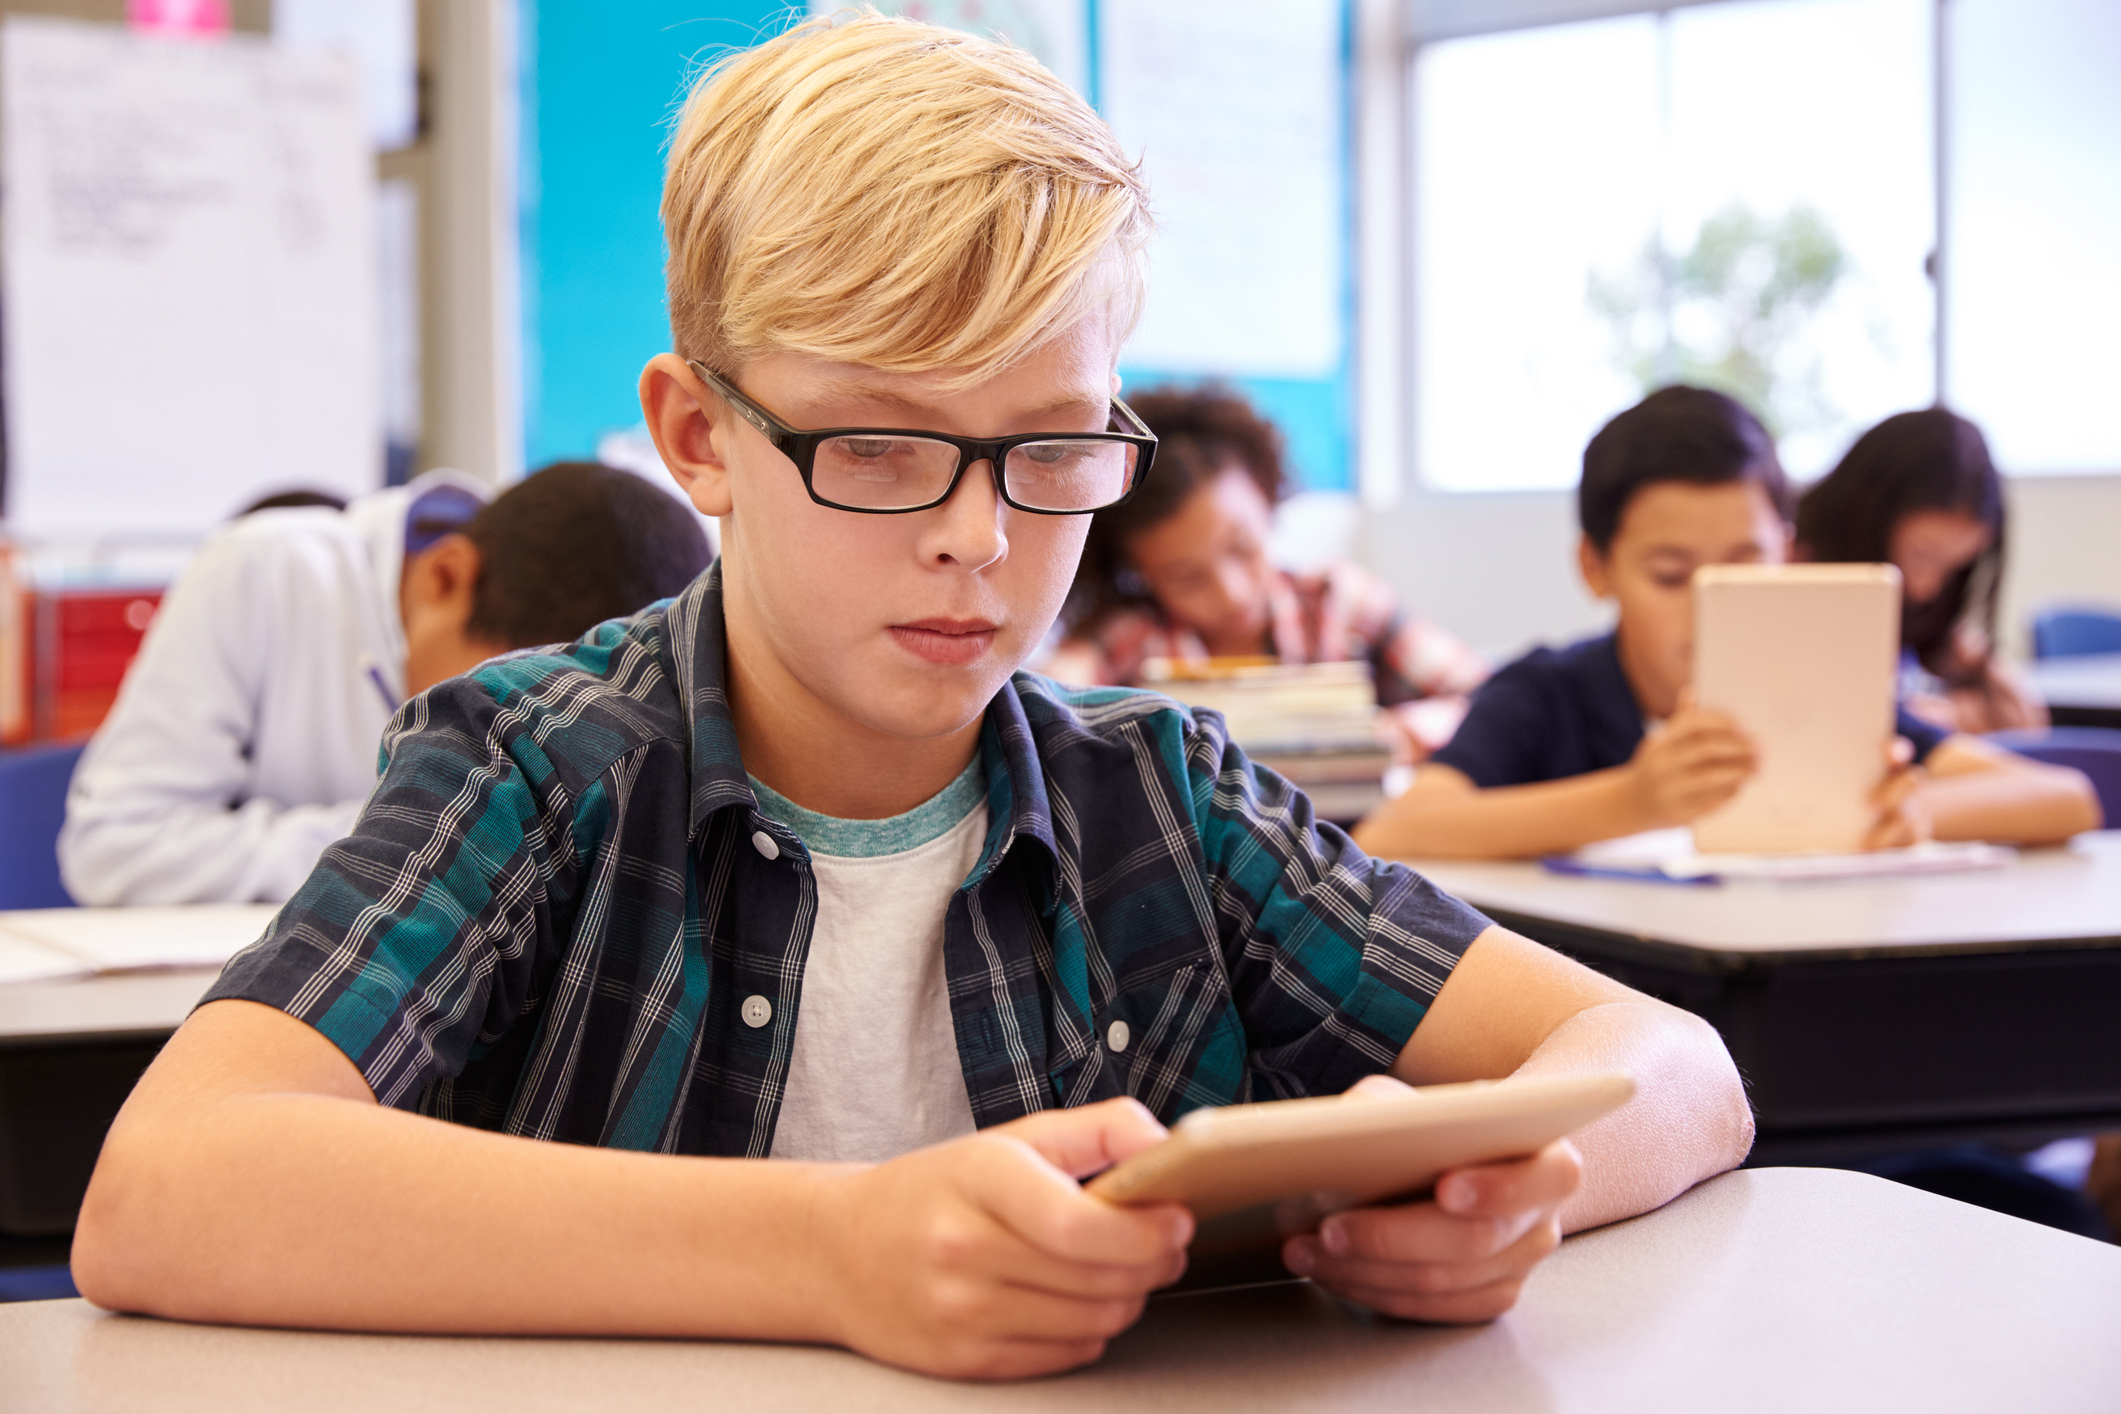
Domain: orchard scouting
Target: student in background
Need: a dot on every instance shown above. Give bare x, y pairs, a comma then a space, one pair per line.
1181, 571
832, 949
1563, 748
244, 739
1918, 490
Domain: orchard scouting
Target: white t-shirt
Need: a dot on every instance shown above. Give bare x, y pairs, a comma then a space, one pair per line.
874, 1071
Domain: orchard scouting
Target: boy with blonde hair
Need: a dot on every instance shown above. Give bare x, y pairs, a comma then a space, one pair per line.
800, 868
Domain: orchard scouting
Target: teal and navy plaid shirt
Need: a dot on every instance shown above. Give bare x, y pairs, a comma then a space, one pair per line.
563, 915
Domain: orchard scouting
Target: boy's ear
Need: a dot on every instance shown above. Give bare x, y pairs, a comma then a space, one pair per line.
1591, 564
687, 422
443, 578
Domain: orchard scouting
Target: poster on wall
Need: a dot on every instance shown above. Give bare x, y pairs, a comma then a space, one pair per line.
1057, 31
1235, 109
189, 280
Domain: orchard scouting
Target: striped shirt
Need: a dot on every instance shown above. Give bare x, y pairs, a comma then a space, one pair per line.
564, 915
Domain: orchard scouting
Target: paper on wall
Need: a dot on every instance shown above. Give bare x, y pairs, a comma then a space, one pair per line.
1235, 108
189, 299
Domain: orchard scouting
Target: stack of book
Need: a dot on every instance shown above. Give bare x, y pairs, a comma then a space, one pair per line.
1314, 723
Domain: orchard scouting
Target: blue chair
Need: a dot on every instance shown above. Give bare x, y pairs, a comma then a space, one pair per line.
2096, 751
2074, 633
33, 785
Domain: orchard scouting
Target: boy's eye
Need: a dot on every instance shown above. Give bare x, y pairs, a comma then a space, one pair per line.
863, 447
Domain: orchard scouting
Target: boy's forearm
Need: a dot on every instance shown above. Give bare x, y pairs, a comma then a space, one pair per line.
302, 1210
1689, 1119
2028, 804
1507, 822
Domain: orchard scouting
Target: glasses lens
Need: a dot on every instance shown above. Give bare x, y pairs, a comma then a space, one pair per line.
881, 473
1070, 475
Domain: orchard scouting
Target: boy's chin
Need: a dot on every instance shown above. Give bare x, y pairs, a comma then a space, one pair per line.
926, 704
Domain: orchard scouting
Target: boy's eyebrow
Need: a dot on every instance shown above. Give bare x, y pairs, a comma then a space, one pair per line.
855, 388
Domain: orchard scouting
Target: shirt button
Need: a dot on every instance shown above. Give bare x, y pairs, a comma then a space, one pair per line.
756, 1011
1117, 1035
763, 843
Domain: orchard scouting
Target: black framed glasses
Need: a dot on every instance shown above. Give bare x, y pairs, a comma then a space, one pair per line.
892, 470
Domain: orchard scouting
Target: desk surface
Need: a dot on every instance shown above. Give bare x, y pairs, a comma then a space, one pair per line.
130, 1004
2093, 680
2047, 897
1767, 1290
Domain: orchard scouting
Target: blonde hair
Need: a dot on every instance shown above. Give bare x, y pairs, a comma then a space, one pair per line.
883, 192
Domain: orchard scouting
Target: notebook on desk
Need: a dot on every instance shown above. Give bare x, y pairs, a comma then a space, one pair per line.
1670, 855
42, 944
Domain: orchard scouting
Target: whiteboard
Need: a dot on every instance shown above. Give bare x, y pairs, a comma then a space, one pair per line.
1235, 109
188, 305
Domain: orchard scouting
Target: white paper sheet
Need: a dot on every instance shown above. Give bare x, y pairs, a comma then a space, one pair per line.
1671, 853
190, 308
1235, 109
130, 939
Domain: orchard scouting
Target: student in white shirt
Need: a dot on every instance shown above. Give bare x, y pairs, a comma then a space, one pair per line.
245, 737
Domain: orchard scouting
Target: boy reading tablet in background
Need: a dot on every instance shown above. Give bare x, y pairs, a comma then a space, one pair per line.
244, 739
1599, 739
799, 868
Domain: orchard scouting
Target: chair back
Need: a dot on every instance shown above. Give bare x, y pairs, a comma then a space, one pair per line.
33, 785
2096, 751
2075, 633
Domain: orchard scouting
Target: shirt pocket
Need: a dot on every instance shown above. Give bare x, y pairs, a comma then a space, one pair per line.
1173, 1039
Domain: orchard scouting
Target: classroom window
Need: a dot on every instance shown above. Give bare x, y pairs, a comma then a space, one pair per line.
1734, 194
2033, 221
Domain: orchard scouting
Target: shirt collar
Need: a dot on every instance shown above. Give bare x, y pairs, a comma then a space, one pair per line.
1017, 803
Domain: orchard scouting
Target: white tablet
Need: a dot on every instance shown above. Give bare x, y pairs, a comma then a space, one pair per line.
1804, 658
1255, 1174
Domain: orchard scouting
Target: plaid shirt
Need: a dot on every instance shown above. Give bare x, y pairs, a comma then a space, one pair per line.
563, 915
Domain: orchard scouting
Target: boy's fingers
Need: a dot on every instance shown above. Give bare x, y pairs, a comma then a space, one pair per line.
1458, 1308
1082, 1141
1381, 1087
1494, 1190
1534, 1239
1416, 1233
1047, 1209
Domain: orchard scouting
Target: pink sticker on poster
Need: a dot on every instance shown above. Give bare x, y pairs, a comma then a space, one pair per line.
178, 16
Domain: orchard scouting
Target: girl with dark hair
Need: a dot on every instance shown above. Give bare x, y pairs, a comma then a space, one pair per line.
1182, 571
1919, 490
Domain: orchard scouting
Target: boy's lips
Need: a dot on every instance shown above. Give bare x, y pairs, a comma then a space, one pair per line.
948, 641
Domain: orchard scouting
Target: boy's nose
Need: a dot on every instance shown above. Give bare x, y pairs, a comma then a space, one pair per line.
968, 528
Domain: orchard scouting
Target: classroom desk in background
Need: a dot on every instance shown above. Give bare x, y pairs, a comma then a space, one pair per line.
1777, 1290
1869, 1015
2081, 691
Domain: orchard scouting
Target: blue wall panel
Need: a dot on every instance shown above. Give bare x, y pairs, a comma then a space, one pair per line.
602, 79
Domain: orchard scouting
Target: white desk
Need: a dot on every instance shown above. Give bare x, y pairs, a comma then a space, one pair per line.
1790, 1289
2085, 690
1870, 1013
2048, 898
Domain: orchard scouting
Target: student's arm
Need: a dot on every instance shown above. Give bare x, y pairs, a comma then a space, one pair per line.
1512, 1007
1694, 764
152, 815
1975, 791
252, 1178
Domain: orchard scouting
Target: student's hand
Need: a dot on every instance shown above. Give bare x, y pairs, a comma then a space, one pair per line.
983, 1258
1460, 1257
1693, 764
1902, 819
